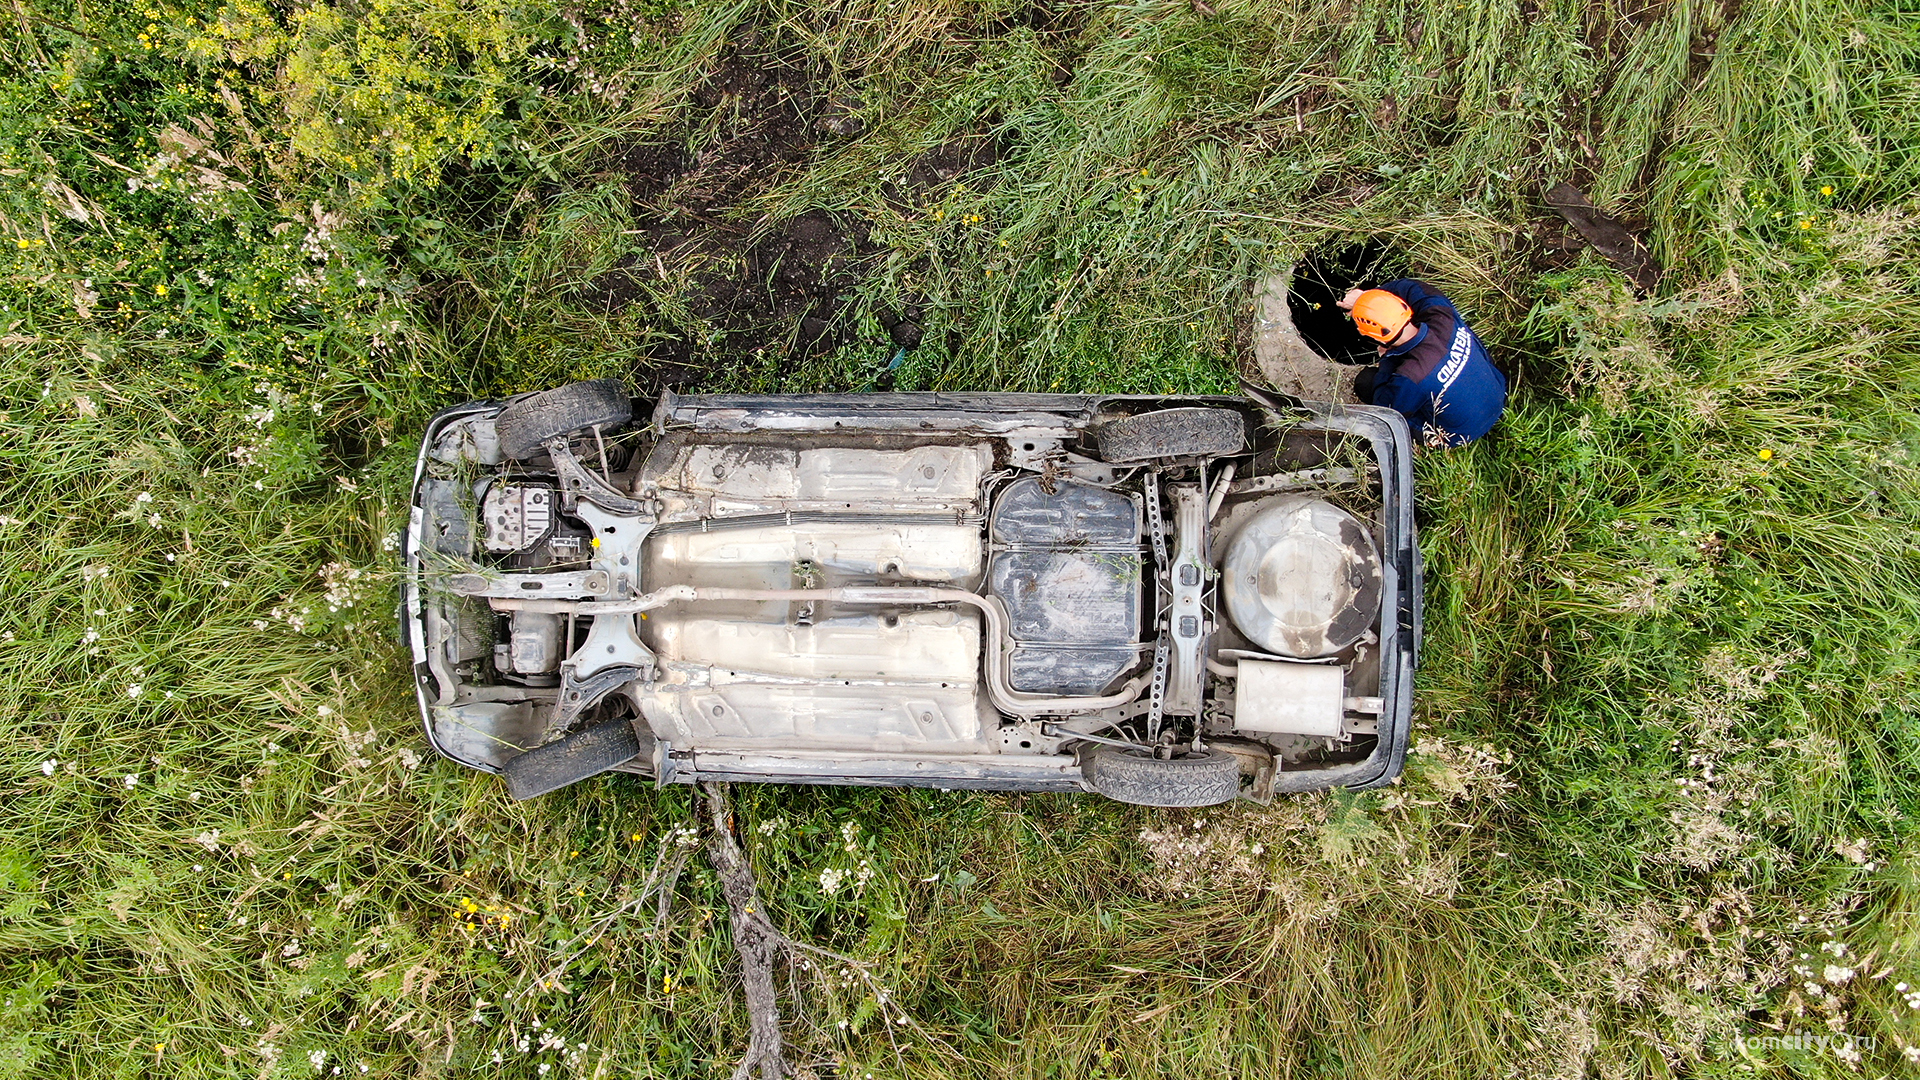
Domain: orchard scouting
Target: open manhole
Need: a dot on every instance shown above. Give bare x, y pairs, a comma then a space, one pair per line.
1303, 344
1321, 279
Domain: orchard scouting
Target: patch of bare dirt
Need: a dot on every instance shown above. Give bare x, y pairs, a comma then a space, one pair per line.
781, 288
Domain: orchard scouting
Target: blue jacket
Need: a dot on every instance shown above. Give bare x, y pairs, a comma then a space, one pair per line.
1442, 379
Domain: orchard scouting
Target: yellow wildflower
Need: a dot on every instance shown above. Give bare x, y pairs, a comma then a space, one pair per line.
1766, 455
1826, 189
1806, 224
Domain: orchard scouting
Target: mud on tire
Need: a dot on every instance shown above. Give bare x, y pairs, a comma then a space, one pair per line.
525, 425
1131, 776
1170, 433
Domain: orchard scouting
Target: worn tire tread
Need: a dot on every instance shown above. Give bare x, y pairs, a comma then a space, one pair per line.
525, 425
1128, 776
586, 753
1172, 433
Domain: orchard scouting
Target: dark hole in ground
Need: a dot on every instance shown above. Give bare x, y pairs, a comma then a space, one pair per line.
1319, 282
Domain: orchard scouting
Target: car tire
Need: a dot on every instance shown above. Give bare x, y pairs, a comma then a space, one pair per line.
1172, 433
1132, 776
577, 757
524, 426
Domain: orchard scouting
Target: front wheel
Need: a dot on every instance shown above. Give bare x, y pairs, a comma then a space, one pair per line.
525, 425
1134, 776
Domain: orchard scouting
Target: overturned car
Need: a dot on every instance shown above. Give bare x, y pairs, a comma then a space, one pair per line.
1169, 601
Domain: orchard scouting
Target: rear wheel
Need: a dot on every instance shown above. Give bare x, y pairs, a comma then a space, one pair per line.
1134, 776
1171, 433
525, 425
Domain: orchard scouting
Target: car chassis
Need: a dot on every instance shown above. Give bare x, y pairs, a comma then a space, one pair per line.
1169, 600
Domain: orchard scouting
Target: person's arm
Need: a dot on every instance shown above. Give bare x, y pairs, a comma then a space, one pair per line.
1421, 299
1395, 391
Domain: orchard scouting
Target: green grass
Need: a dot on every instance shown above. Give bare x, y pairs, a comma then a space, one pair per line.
1666, 724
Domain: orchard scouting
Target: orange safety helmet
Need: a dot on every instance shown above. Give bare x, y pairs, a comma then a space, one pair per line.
1381, 315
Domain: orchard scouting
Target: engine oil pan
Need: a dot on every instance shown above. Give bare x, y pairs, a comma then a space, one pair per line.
1303, 577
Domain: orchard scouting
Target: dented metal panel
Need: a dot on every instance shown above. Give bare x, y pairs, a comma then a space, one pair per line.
839, 553
859, 680
741, 479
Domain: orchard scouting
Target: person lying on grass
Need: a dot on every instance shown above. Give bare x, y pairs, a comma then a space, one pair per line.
1432, 367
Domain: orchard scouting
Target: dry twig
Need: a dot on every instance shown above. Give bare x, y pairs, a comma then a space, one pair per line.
754, 938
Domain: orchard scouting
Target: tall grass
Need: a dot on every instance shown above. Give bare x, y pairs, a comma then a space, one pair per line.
1663, 793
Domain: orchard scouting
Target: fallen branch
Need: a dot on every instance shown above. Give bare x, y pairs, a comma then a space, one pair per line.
754, 938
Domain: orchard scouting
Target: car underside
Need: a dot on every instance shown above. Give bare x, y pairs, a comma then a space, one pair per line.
1170, 601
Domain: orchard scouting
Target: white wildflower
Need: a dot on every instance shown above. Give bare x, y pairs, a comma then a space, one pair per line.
831, 879
131, 780
135, 690
47, 767
319, 1059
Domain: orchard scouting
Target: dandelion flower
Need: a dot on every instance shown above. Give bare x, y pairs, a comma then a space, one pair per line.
1766, 455
1827, 189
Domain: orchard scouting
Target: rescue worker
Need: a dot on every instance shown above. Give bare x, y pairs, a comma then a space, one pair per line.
1432, 367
